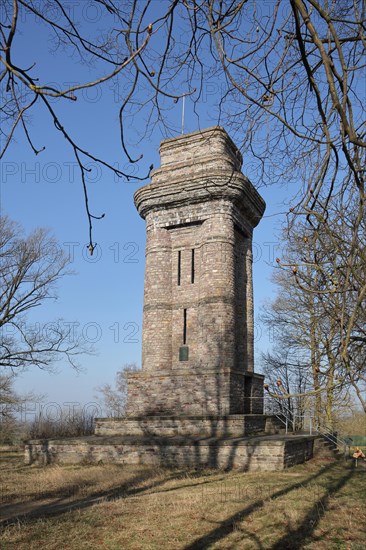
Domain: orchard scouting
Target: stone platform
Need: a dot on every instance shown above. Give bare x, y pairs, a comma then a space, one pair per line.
236, 425
261, 453
251, 442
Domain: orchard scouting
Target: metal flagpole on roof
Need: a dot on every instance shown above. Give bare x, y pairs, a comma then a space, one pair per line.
184, 98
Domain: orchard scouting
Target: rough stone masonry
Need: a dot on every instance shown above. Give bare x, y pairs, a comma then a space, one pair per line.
197, 347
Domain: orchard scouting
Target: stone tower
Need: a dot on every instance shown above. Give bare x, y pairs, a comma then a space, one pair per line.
197, 348
197, 401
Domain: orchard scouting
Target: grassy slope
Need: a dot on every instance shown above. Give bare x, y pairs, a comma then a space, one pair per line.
320, 505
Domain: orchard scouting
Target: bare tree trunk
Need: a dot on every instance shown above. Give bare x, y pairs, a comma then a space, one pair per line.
314, 353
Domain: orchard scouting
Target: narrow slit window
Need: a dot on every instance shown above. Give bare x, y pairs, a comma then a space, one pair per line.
184, 326
192, 267
179, 266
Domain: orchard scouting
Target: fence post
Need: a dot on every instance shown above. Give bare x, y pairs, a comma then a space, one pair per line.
311, 426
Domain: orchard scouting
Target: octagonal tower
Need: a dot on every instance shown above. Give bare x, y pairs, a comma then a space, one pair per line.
197, 344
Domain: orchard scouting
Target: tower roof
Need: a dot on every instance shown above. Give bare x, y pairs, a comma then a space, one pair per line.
210, 142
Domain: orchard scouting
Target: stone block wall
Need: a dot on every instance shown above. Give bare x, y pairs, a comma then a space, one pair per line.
184, 426
298, 452
157, 321
256, 455
184, 392
203, 254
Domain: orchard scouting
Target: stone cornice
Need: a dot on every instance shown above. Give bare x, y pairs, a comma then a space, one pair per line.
221, 184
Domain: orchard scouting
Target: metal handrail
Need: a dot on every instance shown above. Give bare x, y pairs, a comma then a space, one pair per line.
332, 437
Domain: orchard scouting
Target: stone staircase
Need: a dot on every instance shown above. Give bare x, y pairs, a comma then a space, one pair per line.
324, 448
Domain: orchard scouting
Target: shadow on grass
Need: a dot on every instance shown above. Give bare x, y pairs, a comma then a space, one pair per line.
10, 460
294, 538
62, 505
29, 511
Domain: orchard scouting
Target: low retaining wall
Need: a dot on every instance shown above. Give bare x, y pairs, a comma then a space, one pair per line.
267, 453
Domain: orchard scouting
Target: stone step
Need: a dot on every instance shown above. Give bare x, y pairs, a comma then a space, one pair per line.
325, 448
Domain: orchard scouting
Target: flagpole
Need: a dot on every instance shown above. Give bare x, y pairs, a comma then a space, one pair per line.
184, 97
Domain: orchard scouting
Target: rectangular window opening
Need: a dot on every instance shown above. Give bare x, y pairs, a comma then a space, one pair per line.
184, 326
179, 266
192, 267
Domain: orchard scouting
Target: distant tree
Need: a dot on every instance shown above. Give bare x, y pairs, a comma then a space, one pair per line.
319, 316
282, 366
114, 399
30, 267
11, 404
351, 420
8, 404
69, 423
328, 264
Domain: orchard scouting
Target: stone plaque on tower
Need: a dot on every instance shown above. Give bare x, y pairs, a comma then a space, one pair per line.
197, 344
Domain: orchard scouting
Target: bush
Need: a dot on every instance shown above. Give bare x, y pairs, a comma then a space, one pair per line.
70, 424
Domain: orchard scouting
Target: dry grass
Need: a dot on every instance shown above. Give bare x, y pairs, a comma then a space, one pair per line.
314, 506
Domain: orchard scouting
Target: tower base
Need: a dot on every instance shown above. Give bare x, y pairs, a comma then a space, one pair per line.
194, 392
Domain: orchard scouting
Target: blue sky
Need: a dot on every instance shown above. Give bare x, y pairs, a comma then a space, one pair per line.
105, 295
